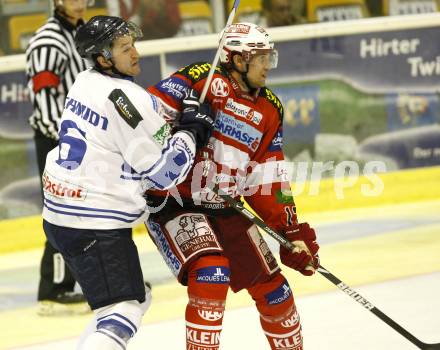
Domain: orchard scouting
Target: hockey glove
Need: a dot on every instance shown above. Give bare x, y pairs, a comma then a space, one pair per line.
195, 118
304, 257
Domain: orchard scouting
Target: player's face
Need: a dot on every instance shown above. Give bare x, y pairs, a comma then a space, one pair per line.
125, 56
259, 67
75, 9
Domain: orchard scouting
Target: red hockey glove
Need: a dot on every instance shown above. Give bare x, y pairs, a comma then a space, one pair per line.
304, 257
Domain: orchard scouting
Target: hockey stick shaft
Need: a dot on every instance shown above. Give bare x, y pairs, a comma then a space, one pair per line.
237, 205
217, 54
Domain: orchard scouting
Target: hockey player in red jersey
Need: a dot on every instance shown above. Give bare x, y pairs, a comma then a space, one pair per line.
208, 246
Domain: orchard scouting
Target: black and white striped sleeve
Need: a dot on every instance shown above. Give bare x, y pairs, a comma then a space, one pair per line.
46, 64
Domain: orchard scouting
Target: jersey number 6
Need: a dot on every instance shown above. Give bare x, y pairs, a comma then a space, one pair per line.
71, 148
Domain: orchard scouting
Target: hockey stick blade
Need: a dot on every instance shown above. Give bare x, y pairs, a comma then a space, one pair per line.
367, 305
431, 346
237, 205
217, 54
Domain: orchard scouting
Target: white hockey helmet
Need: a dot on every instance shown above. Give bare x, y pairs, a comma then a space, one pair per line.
247, 39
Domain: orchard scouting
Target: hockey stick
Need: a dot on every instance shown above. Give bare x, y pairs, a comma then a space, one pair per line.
217, 54
327, 274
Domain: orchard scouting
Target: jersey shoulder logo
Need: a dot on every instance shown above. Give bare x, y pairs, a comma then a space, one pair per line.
162, 134
273, 99
197, 71
125, 108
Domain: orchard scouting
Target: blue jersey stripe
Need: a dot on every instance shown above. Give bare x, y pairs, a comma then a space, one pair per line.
93, 209
88, 215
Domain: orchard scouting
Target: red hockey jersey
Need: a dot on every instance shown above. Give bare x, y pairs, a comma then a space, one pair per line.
244, 154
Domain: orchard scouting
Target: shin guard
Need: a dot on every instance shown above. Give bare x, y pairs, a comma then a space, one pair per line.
278, 315
208, 283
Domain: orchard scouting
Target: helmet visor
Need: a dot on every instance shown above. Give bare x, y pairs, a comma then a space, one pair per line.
267, 58
127, 28
124, 29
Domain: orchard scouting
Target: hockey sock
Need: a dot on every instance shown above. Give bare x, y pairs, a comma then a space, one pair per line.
115, 325
278, 315
208, 283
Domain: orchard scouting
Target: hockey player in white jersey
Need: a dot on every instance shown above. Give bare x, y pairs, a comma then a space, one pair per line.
113, 146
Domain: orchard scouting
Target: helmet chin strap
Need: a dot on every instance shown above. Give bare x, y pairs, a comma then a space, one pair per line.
116, 71
244, 76
246, 80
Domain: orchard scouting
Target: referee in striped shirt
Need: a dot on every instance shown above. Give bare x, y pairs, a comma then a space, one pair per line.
52, 63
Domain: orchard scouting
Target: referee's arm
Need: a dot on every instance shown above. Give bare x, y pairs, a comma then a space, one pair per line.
45, 67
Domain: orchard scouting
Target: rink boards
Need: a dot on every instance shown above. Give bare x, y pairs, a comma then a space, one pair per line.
310, 197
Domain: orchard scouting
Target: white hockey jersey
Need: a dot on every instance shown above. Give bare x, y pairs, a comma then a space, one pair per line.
113, 146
